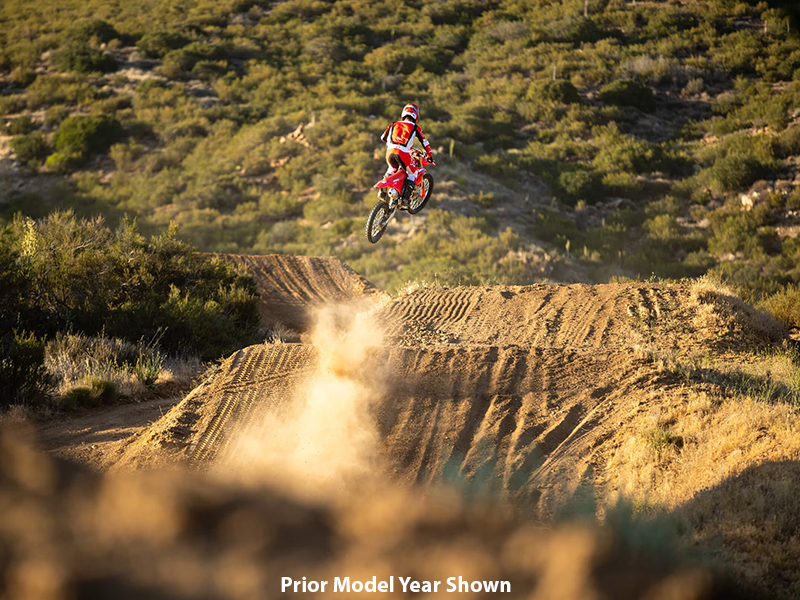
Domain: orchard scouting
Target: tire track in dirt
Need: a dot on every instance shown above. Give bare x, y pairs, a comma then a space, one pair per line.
289, 286
571, 316
516, 386
286, 364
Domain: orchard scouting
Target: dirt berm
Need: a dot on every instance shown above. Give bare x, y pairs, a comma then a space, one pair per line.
289, 286
526, 388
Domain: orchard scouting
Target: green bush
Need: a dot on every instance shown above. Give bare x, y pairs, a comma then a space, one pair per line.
178, 62
23, 377
21, 125
660, 438
87, 30
64, 163
579, 184
23, 76
785, 306
55, 114
83, 58
559, 91
79, 135
94, 280
626, 92
30, 149
147, 367
157, 44
576, 29
12, 104
99, 392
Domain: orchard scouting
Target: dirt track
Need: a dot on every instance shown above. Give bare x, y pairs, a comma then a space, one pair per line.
289, 285
518, 385
542, 394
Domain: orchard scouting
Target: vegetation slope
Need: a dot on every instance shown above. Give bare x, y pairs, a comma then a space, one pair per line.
576, 139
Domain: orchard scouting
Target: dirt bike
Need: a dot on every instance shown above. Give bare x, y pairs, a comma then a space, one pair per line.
396, 193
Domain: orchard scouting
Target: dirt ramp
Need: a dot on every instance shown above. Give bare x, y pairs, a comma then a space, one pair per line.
525, 421
559, 316
608, 316
202, 425
290, 285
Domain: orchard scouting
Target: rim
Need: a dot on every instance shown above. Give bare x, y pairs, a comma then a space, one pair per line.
419, 193
378, 223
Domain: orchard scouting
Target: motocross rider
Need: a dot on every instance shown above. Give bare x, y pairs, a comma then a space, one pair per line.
399, 138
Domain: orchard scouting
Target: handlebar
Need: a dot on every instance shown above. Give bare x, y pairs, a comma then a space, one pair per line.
421, 157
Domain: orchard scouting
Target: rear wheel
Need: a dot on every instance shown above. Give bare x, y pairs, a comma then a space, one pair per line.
377, 221
421, 194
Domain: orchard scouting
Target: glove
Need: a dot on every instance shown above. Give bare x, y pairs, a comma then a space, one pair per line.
430, 159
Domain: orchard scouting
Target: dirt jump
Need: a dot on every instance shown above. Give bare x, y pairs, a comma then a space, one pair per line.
546, 396
523, 386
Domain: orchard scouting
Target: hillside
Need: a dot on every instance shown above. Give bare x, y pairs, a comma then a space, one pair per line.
575, 140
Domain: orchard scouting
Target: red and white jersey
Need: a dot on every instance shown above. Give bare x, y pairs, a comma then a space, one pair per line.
400, 136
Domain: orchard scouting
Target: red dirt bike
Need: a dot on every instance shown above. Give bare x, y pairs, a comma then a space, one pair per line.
396, 193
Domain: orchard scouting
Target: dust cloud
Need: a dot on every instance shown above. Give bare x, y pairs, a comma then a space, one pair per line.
325, 441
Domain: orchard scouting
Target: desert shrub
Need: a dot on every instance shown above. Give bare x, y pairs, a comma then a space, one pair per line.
789, 142
209, 69
22, 373
793, 200
83, 58
666, 22
88, 30
23, 76
737, 52
12, 104
623, 153
53, 89
742, 233
148, 366
21, 126
178, 62
736, 172
785, 306
97, 393
626, 92
30, 149
157, 44
579, 184
738, 162
93, 280
559, 91
79, 135
59, 162
55, 114
576, 29
660, 438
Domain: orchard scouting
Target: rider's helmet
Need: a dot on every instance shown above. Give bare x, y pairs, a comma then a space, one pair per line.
410, 110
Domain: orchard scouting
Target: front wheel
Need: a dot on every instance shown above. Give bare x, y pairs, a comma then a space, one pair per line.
421, 194
377, 221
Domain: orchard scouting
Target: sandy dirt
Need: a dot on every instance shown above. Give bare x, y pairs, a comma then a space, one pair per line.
290, 286
524, 386
94, 437
529, 391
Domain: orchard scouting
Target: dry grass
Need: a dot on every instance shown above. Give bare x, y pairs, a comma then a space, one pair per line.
716, 443
411, 287
281, 334
720, 310
77, 361
722, 479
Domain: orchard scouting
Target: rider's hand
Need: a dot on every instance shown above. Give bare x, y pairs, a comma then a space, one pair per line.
430, 159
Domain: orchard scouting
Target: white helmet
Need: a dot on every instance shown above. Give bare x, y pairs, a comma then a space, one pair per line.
411, 110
